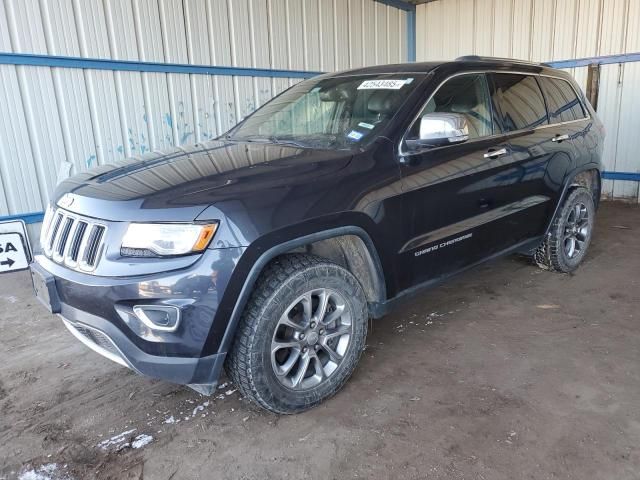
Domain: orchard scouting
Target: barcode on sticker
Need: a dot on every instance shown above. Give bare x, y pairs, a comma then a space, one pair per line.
384, 84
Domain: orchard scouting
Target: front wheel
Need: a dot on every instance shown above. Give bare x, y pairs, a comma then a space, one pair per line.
301, 334
569, 237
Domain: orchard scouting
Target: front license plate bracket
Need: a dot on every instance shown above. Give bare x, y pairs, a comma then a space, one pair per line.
44, 286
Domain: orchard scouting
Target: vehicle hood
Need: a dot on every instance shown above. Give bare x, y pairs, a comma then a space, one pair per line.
178, 185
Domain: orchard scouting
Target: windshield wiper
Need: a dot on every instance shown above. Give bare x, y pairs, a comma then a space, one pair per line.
250, 138
266, 139
282, 141
274, 139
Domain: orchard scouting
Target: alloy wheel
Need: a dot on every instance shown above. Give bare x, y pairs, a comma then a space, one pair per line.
576, 230
311, 339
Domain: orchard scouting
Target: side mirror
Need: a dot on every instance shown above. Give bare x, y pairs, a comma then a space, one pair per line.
439, 128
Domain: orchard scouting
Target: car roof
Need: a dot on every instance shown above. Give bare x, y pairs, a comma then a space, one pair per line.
469, 62
418, 67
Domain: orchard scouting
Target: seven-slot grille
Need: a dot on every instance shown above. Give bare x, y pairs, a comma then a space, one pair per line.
72, 240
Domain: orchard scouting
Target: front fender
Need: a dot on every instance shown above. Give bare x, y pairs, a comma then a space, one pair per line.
262, 251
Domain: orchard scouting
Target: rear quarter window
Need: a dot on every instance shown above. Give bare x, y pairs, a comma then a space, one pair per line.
519, 101
562, 101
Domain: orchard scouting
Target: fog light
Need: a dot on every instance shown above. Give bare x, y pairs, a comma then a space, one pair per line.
158, 317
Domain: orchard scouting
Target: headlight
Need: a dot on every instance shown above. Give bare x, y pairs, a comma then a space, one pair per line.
151, 239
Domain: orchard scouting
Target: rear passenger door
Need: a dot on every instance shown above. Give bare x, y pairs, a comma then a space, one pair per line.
569, 122
538, 161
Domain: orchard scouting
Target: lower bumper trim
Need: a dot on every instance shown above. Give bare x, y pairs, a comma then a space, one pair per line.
200, 373
96, 341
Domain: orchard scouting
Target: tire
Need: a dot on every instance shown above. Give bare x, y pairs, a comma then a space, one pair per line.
278, 333
566, 244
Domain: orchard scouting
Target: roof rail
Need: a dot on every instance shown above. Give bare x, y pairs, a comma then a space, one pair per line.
479, 58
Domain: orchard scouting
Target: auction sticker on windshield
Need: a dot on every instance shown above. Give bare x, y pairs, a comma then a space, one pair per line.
384, 84
355, 135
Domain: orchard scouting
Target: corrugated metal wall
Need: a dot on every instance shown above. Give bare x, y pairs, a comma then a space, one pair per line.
546, 30
58, 121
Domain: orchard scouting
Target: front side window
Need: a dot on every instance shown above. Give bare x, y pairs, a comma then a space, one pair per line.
519, 100
466, 95
562, 101
332, 113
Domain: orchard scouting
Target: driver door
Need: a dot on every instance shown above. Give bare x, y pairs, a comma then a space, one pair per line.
451, 192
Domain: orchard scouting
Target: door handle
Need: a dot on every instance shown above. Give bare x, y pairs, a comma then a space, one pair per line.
560, 138
484, 203
495, 153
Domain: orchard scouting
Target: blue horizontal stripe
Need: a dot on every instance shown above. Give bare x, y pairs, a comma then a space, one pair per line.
33, 217
604, 60
632, 177
130, 66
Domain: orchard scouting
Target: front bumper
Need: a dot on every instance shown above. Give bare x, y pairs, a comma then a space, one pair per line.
200, 373
98, 311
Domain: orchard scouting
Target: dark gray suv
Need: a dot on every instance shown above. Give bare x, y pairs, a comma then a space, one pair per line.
267, 250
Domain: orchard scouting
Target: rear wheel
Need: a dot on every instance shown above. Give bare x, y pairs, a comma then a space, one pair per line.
301, 334
569, 237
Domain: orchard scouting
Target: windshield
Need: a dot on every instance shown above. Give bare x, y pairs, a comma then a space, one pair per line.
335, 112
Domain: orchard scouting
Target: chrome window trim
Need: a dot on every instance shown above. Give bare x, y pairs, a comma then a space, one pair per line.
403, 153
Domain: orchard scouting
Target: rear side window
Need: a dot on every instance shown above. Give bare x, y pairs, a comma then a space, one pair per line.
519, 101
562, 101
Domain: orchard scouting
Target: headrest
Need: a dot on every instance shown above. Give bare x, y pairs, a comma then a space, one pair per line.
383, 101
462, 105
336, 94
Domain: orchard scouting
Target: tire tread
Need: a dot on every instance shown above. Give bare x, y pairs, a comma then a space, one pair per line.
274, 276
548, 256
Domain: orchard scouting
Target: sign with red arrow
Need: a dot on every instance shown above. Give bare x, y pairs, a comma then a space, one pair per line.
13, 255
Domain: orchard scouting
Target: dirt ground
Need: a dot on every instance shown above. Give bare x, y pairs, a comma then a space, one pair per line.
505, 372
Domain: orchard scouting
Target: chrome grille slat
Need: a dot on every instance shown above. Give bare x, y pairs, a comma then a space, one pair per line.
90, 251
94, 245
46, 226
51, 239
74, 241
71, 255
65, 228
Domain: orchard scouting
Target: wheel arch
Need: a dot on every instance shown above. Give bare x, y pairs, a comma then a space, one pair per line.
349, 250
588, 176
359, 253
591, 180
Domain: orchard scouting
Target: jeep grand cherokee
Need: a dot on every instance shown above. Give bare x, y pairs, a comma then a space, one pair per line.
267, 250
